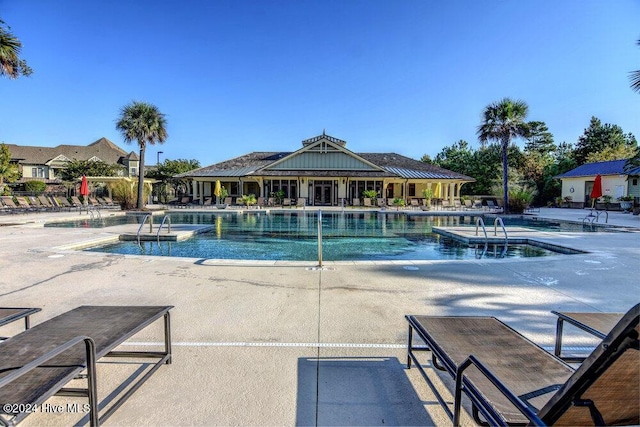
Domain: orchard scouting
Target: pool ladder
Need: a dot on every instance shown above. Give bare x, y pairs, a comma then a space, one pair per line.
498, 220
150, 218
91, 212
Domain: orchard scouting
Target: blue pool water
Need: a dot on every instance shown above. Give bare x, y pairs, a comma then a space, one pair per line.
293, 236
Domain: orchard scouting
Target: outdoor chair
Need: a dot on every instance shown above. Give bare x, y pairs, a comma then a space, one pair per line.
228, 201
76, 202
367, 202
286, 202
260, 202
46, 203
415, 204
381, 202
12, 314
11, 206
512, 381
355, 202
597, 324
37, 363
457, 205
493, 207
302, 202
24, 204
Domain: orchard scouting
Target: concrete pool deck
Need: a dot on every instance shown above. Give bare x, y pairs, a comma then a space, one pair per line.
280, 343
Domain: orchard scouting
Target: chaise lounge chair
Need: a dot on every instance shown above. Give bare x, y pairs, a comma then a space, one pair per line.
37, 363
12, 314
511, 381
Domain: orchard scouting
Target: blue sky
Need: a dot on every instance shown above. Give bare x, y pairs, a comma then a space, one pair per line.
386, 76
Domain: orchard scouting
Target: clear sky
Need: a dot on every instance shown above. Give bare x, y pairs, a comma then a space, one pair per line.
235, 76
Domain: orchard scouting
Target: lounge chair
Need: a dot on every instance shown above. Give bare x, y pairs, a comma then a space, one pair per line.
596, 324
355, 202
381, 202
415, 204
286, 202
261, 201
39, 362
510, 380
493, 207
11, 314
302, 202
24, 204
367, 202
11, 206
47, 204
76, 202
64, 203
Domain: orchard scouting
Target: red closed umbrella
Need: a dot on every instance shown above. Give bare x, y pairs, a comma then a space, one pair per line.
84, 188
596, 191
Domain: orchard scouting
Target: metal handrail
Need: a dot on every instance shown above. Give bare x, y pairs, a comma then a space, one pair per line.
480, 221
320, 239
144, 221
497, 221
166, 217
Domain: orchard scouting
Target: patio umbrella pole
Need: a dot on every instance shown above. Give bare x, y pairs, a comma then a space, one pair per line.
320, 239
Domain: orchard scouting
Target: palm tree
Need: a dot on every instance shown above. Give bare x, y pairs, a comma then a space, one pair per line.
10, 63
503, 121
143, 123
635, 78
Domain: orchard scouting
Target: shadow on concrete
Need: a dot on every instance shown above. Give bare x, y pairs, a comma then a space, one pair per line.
357, 391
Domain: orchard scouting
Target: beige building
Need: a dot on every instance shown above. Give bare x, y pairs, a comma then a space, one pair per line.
616, 182
43, 163
325, 173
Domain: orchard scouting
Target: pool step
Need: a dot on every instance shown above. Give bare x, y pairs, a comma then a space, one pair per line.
178, 232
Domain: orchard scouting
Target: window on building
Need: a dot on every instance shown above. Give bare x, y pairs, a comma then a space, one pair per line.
234, 189
412, 190
635, 181
37, 172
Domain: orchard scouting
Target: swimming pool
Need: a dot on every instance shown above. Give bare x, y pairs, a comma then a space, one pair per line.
348, 236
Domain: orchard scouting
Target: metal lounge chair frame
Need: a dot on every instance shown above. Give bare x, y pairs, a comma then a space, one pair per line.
512, 381
55, 357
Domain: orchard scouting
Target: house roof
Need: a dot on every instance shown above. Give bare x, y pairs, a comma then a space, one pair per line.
103, 149
393, 165
612, 167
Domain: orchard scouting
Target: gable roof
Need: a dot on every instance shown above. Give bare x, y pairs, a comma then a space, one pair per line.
390, 164
103, 149
324, 155
611, 167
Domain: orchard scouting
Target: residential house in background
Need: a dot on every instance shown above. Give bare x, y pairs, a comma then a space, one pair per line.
43, 163
616, 182
325, 173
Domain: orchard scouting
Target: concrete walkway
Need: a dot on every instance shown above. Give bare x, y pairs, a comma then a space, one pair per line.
285, 344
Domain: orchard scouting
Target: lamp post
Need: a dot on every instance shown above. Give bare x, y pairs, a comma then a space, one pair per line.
158, 164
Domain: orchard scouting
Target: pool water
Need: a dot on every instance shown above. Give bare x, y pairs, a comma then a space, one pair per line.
348, 236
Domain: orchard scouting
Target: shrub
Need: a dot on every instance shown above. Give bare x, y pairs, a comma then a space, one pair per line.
125, 192
369, 194
36, 187
248, 200
520, 199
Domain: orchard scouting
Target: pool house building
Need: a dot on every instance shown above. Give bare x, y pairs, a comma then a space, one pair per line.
325, 173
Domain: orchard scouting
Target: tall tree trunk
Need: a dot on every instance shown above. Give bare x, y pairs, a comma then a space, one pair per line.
505, 175
140, 204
